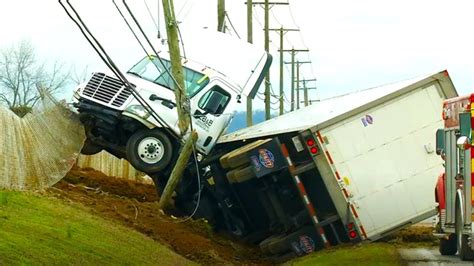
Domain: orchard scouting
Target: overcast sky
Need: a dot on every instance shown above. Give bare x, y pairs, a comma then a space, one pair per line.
353, 44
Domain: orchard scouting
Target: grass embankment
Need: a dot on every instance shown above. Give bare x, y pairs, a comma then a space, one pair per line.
36, 229
365, 254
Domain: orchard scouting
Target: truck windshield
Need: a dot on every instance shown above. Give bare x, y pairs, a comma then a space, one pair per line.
151, 69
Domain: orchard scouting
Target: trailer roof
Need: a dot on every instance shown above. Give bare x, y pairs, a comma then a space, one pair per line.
329, 111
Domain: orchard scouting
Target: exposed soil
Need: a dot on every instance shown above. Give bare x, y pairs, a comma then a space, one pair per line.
413, 236
135, 205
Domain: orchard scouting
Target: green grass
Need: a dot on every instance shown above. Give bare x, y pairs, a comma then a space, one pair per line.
365, 254
35, 229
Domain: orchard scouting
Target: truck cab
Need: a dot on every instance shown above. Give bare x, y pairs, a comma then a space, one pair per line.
454, 189
115, 120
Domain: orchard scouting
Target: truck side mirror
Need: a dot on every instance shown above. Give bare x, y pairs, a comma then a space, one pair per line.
463, 143
439, 141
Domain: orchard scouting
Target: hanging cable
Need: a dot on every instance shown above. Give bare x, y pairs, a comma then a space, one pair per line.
152, 47
151, 16
110, 63
232, 25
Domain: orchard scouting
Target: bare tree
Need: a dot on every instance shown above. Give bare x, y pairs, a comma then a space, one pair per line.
79, 77
21, 73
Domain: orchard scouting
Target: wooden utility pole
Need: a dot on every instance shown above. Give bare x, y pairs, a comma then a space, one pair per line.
282, 32
298, 64
267, 48
176, 67
250, 40
305, 88
293, 52
221, 15
181, 98
267, 5
177, 170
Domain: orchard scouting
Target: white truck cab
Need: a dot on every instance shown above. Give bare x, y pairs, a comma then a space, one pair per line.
227, 70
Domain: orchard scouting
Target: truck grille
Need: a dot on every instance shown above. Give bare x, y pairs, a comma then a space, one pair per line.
108, 90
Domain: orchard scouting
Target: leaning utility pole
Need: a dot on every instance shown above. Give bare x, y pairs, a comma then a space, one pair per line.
267, 7
181, 99
282, 32
221, 15
250, 40
293, 52
176, 67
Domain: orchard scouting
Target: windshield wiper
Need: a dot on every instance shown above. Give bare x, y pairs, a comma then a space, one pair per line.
135, 74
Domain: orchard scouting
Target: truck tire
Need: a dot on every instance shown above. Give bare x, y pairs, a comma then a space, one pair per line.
90, 148
448, 246
149, 150
465, 252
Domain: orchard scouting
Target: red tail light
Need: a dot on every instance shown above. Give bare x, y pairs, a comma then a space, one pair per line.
313, 148
350, 226
352, 234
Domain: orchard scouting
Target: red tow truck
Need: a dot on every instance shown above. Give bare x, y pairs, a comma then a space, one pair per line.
454, 190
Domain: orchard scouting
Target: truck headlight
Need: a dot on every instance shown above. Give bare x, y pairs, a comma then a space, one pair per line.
138, 110
76, 93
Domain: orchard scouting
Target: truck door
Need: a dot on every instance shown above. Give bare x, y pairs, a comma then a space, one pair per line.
210, 118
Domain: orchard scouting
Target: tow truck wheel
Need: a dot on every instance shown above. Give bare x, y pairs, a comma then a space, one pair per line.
465, 252
149, 151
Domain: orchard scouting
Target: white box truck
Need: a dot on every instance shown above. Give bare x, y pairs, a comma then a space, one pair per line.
219, 70
347, 169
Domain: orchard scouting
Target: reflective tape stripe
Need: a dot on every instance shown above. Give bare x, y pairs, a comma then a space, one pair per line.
306, 200
338, 178
472, 153
363, 231
304, 196
354, 211
329, 158
318, 134
297, 179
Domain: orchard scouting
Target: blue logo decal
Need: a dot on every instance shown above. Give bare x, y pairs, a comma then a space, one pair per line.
266, 158
306, 244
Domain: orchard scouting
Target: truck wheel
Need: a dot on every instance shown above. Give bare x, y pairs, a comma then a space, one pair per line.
448, 246
465, 251
90, 148
149, 151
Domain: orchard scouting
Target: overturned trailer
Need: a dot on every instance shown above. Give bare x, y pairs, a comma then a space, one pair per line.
346, 169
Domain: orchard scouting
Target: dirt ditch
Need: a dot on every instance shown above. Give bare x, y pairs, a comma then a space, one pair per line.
135, 205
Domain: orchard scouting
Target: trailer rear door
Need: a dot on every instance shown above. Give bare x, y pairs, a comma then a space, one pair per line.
385, 157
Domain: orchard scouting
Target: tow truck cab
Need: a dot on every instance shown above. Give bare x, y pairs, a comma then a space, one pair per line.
454, 189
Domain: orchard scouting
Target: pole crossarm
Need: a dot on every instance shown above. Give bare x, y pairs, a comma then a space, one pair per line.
308, 80
270, 3
294, 50
283, 29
